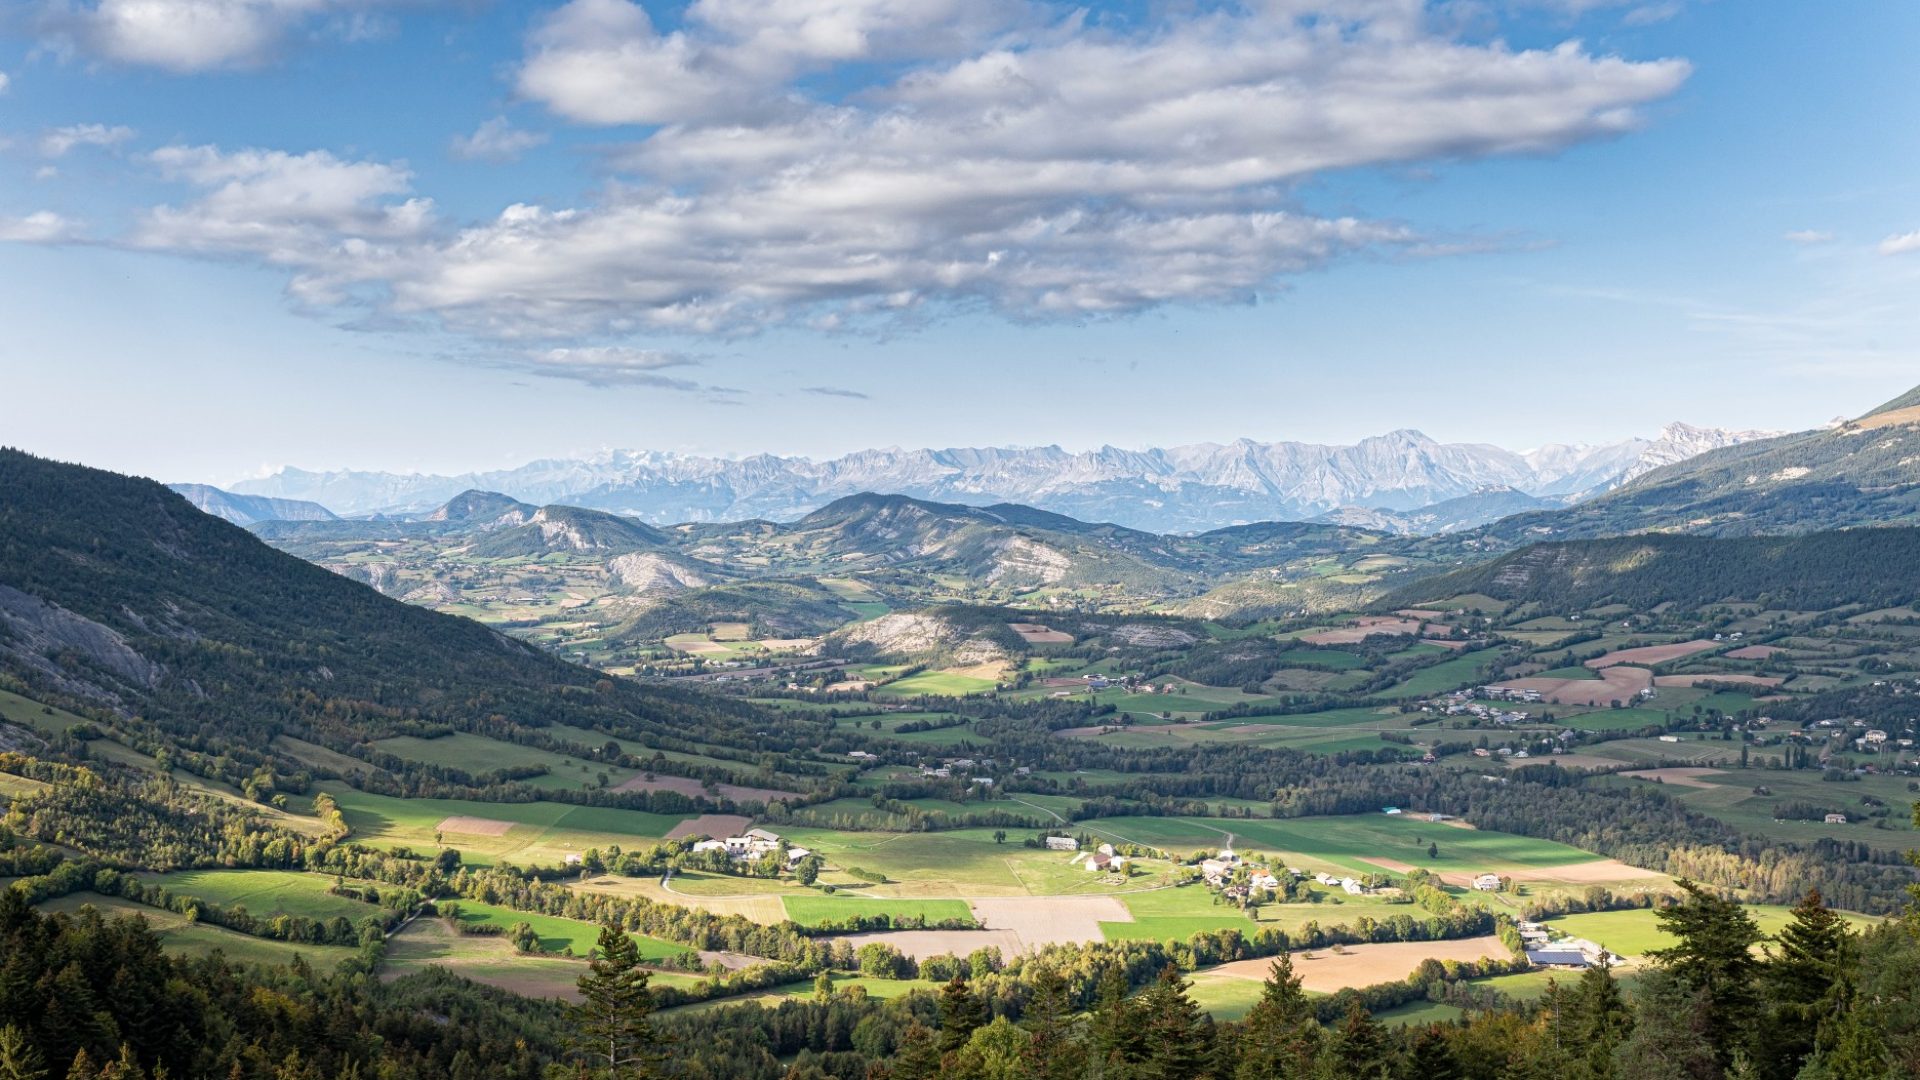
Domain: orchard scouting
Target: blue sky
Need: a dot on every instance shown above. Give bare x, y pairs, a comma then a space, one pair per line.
406, 234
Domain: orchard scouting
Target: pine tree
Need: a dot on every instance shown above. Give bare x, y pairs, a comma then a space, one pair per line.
1801, 980
961, 1012
1714, 958
1359, 1048
1433, 1057
1670, 1031
1281, 1035
1179, 1041
1598, 1019
1852, 1047
614, 1024
918, 1057
19, 1058
1053, 1053
1113, 1029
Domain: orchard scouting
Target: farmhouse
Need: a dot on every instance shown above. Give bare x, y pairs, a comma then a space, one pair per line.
1557, 958
1062, 843
1487, 883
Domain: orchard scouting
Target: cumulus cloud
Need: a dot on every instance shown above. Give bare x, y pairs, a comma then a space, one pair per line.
5, 81
604, 62
1039, 170
185, 36
1809, 236
496, 140
1901, 243
59, 141
40, 227
334, 222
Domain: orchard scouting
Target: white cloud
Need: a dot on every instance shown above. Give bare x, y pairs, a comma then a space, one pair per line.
496, 140
1901, 243
604, 62
1808, 236
610, 365
41, 227
331, 220
5, 81
59, 141
1040, 171
185, 36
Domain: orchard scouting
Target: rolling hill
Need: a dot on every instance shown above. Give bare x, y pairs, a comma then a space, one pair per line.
121, 599
1812, 572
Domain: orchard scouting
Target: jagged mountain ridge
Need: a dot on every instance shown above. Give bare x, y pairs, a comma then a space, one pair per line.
1180, 489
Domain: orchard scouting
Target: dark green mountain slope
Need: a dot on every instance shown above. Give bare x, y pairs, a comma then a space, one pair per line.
1863, 472
1872, 567
116, 593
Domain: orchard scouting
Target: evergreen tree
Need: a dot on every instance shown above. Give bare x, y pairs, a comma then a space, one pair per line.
1179, 1038
1433, 1057
1801, 979
1670, 1032
614, 1023
918, 1057
1052, 1052
1114, 1037
19, 1058
1714, 958
1598, 1020
1359, 1049
1280, 1037
961, 1013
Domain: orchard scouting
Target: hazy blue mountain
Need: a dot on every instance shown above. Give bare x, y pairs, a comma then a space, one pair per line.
250, 509
1179, 489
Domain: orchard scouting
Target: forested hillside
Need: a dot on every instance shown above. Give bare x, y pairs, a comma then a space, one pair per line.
1860, 472
1870, 567
117, 594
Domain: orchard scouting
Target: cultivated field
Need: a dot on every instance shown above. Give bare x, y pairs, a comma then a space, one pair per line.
1326, 970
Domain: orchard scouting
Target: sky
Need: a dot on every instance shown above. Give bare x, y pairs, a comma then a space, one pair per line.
450, 235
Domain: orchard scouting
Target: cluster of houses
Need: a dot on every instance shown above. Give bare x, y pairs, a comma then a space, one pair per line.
1132, 683
1103, 859
753, 844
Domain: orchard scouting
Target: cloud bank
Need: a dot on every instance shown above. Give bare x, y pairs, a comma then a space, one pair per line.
1011, 157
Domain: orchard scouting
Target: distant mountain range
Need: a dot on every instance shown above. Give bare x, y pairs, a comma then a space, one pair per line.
250, 509
1182, 489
